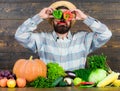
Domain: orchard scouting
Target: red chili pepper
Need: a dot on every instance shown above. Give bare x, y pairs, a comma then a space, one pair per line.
85, 83
67, 15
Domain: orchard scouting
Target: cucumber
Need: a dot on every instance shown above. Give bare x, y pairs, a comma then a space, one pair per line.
56, 82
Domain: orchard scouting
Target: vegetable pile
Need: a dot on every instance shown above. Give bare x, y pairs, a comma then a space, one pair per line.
97, 74
54, 72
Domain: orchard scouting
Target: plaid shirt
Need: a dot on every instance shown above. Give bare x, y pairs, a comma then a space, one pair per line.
70, 52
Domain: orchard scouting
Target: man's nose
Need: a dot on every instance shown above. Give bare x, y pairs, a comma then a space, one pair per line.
62, 20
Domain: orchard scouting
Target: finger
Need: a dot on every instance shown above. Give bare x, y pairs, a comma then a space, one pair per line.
50, 16
73, 19
51, 10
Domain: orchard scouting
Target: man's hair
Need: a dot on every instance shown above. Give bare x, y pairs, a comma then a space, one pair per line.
61, 7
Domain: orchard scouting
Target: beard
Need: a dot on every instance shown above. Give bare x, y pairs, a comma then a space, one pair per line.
61, 29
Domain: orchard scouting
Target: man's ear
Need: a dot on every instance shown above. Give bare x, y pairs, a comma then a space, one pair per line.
51, 21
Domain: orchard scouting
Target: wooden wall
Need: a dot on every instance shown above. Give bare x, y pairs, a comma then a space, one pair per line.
15, 12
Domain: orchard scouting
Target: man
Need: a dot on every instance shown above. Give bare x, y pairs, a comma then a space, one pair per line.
60, 45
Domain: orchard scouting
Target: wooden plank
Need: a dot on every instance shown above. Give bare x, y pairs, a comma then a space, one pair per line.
68, 88
19, 10
25, 10
9, 27
37, 1
112, 24
101, 10
23, 1
7, 60
9, 44
4, 60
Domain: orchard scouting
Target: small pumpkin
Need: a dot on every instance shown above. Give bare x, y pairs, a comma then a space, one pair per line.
29, 69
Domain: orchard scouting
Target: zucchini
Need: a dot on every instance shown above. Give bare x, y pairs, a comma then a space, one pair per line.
56, 82
62, 84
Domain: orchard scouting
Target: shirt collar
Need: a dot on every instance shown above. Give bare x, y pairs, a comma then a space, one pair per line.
56, 36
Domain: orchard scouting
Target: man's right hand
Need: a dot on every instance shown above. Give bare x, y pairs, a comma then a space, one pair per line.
46, 13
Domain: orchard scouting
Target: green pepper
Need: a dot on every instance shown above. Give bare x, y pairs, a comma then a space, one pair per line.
57, 14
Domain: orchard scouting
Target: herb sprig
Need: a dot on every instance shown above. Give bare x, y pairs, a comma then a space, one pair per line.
97, 61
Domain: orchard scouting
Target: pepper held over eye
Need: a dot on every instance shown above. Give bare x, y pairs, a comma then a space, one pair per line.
67, 15
57, 14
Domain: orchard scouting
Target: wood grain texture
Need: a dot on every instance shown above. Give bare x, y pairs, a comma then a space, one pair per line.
25, 10
37, 1
14, 12
62, 89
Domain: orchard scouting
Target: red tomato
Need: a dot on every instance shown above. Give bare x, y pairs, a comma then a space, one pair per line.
21, 82
3, 82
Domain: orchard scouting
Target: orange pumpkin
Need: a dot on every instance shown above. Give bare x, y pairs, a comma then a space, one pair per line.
30, 69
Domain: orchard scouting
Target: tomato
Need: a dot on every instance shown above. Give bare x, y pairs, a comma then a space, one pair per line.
21, 82
3, 82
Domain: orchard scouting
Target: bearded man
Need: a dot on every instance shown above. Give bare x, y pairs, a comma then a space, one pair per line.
61, 46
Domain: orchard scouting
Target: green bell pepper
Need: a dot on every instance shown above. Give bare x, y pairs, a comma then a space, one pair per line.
57, 14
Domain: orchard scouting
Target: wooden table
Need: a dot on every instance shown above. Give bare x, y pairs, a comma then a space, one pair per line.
62, 89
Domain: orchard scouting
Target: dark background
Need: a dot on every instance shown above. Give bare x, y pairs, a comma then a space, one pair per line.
14, 12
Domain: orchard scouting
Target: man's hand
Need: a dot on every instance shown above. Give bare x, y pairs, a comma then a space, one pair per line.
79, 15
46, 13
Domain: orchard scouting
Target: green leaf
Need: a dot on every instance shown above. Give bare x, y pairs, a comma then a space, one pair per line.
97, 61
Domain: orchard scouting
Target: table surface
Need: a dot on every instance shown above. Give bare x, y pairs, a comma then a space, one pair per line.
62, 89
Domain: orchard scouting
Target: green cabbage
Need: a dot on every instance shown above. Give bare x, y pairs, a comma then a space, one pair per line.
97, 75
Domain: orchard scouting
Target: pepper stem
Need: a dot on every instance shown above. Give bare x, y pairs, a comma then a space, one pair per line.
31, 57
